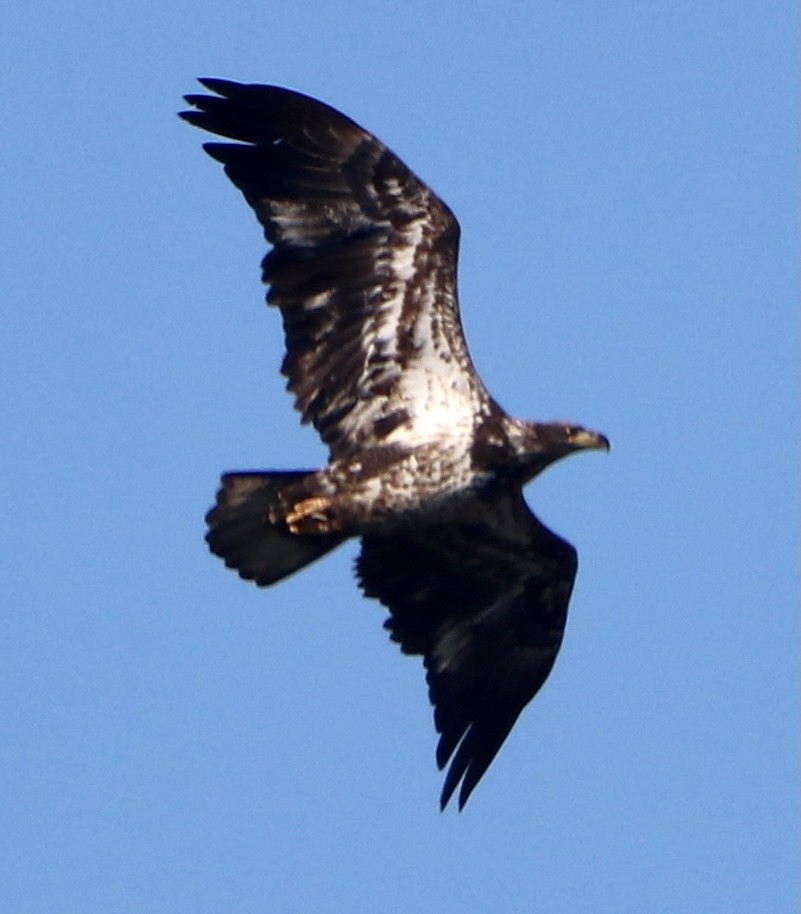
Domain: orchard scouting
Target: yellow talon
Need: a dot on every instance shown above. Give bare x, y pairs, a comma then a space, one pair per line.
309, 516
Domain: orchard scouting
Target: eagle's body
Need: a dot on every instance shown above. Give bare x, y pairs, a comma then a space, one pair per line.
424, 466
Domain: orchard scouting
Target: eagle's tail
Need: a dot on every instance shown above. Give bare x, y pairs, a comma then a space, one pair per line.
242, 533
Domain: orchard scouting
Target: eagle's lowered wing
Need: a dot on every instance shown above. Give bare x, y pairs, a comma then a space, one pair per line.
485, 603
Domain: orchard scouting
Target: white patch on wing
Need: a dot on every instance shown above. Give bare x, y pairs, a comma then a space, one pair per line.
381, 330
432, 379
403, 256
320, 300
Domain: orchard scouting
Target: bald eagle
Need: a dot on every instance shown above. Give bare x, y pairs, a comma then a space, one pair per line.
424, 467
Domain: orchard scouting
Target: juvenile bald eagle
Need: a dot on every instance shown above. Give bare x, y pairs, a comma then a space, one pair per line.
424, 467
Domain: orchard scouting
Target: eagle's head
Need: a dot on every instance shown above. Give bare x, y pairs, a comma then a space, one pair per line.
536, 445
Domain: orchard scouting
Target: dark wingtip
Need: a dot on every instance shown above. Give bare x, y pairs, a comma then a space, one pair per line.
218, 151
191, 117
222, 87
218, 85
447, 792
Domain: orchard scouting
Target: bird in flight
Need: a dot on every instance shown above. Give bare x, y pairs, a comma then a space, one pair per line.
424, 467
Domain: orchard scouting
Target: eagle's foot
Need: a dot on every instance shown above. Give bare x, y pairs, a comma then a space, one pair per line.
312, 515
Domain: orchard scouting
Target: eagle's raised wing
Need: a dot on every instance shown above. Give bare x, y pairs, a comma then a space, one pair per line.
363, 268
486, 606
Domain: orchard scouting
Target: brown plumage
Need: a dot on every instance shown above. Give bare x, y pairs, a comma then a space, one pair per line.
424, 466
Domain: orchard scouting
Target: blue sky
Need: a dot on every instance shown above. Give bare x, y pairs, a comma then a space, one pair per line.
174, 740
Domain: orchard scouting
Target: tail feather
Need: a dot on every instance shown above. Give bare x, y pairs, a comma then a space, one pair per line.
242, 534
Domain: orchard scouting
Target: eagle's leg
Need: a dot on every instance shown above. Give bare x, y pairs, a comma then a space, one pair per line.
312, 515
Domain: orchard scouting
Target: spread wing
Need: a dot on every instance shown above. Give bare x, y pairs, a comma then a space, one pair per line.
363, 267
485, 604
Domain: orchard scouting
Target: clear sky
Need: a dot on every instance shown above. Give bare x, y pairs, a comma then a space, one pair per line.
175, 740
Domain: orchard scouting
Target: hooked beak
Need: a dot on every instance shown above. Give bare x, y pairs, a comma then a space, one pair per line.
583, 439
